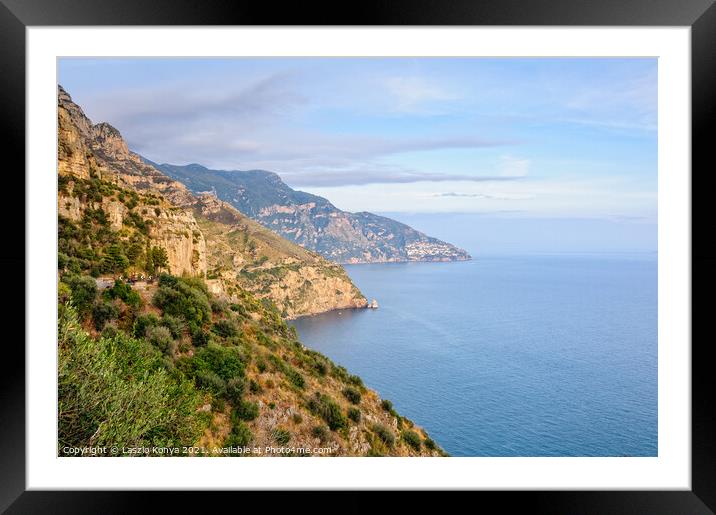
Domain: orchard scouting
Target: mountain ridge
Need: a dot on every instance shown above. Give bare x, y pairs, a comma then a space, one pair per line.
313, 221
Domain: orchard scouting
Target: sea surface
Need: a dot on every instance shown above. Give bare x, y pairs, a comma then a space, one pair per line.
549, 355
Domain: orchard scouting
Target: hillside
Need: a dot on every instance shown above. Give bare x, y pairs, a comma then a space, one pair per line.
103, 185
246, 255
171, 365
171, 330
312, 221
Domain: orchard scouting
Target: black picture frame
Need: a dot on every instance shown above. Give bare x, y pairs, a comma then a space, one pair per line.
700, 15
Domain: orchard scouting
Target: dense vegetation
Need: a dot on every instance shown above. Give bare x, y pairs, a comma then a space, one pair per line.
91, 246
132, 378
117, 390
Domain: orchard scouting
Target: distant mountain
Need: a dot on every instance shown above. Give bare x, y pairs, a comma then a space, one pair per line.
312, 221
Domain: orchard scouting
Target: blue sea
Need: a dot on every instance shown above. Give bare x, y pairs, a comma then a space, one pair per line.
549, 355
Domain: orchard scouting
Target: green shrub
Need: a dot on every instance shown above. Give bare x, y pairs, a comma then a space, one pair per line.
430, 444
161, 338
412, 439
352, 395
388, 406
261, 365
109, 331
339, 372
64, 293
211, 381
168, 280
184, 298
227, 362
240, 436
225, 328
321, 367
218, 305
238, 308
255, 387
356, 381
235, 390
354, 414
62, 260
200, 338
144, 322
218, 405
84, 291
385, 434
325, 407
115, 392
264, 340
281, 436
295, 378
320, 432
102, 313
297, 418
279, 365
123, 291
174, 324
246, 410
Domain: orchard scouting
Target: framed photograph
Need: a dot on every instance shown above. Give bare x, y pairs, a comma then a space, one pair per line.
419, 248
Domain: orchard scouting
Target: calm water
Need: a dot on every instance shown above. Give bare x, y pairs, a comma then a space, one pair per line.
516, 356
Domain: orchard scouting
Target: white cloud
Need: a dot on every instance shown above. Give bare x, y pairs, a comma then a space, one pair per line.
415, 94
514, 166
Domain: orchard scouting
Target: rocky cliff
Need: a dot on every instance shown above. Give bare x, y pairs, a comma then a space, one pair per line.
312, 221
243, 253
96, 171
144, 217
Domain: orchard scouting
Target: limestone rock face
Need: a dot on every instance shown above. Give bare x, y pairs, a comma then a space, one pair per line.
110, 141
72, 153
69, 207
178, 233
115, 211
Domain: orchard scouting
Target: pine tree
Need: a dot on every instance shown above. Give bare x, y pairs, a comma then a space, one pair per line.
149, 264
133, 252
159, 256
114, 260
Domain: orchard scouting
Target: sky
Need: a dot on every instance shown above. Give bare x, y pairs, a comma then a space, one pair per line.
559, 154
